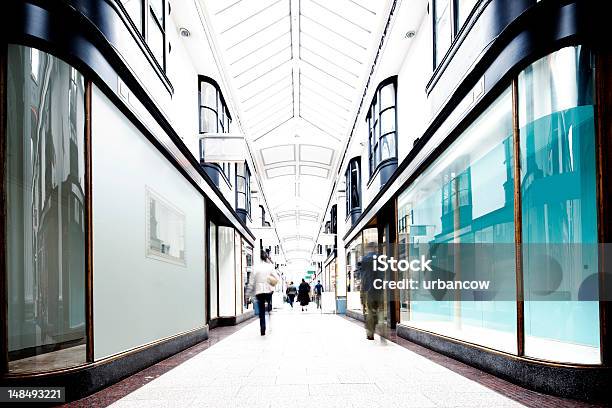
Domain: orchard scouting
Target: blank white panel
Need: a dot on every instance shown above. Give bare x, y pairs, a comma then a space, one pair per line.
137, 299
227, 272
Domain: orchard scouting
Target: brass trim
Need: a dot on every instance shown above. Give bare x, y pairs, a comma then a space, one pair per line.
88, 227
518, 222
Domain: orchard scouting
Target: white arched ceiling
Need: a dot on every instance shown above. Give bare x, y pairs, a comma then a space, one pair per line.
297, 70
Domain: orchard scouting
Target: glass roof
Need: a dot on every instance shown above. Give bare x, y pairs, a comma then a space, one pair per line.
297, 70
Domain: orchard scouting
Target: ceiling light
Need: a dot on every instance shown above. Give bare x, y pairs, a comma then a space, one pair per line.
184, 32
410, 34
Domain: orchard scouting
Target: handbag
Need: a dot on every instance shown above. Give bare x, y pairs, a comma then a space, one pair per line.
272, 280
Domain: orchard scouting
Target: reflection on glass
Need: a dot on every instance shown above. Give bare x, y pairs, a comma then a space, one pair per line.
165, 230
559, 206
212, 270
465, 196
45, 186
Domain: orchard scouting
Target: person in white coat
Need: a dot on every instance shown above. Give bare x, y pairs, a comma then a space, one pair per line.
263, 283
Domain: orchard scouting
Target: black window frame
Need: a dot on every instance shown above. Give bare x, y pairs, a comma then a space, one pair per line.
146, 11
455, 28
354, 166
247, 187
374, 123
224, 120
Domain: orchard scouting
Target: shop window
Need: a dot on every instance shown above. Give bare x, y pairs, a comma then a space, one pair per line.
214, 113
559, 207
45, 214
449, 16
466, 196
382, 125
149, 18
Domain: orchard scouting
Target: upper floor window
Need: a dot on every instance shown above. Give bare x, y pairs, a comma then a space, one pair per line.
149, 17
382, 124
214, 114
448, 18
353, 185
243, 188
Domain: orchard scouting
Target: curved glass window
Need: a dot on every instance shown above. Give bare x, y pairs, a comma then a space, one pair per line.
559, 202
467, 197
382, 125
214, 114
45, 217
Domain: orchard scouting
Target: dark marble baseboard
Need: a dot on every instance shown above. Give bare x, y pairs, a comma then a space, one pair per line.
355, 314
88, 379
588, 383
223, 321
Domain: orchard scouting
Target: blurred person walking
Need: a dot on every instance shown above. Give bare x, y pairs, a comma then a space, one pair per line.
291, 293
372, 298
304, 294
318, 290
264, 278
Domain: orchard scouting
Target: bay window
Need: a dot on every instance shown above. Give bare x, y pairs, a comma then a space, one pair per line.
382, 124
214, 114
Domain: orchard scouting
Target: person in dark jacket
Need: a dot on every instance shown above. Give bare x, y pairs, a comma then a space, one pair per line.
304, 294
371, 297
291, 293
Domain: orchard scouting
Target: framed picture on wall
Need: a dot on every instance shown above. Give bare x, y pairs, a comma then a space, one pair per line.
165, 230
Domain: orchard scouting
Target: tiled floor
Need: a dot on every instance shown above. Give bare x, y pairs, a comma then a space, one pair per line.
313, 360
310, 360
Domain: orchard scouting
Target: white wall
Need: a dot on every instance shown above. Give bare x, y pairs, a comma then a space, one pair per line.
137, 299
227, 274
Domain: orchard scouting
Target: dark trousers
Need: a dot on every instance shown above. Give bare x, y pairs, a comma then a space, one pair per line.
291, 299
262, 298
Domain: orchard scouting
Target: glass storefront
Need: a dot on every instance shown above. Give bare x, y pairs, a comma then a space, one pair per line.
559, 206
466, 196
45, 187
353, 279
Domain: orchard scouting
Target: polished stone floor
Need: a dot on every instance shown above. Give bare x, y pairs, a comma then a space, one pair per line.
310, 360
